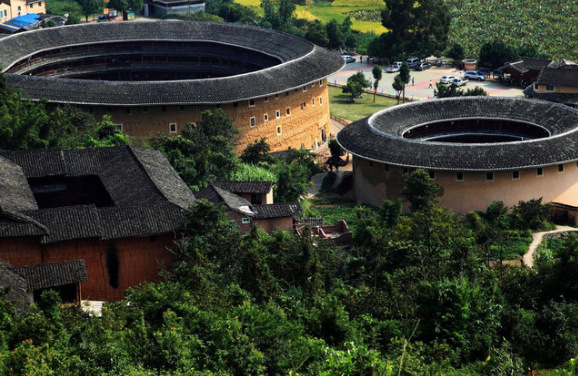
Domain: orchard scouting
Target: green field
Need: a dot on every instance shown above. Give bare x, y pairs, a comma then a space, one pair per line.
362, 107
61, 7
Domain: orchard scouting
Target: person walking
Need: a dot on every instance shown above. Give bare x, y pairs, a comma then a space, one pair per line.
412, 81
430, 85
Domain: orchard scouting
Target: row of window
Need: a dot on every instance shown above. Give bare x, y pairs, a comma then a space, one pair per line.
251, 102
253, 120
489, 174
549, 87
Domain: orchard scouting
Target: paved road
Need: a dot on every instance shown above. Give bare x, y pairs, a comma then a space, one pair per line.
538, 236
420, 90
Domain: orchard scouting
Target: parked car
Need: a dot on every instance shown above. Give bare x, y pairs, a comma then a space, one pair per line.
446, 79
348, 59
474, 75
422, 66
413, 61
392, 69
459, 81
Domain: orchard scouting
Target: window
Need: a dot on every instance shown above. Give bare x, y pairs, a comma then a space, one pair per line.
118, 127
560, 168
172, 128
31, 6
251, 102
164, 108
489, 176
276, 96
266, 99
386, 167
19, 8
460, 176
128, 110
236, 104
536, 87
246, 221
539, 171
279, 131
304, 89
549, 87
199, 109
320, 83
515, 175
252, 121
266, 117
182, 108
313, 101
277, 114
321, 101
432, 174
289, 113
313, 84
286, 93
91, 109
40, 4
109, 109
145, 109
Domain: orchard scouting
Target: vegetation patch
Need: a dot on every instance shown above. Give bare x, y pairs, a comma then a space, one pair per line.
367, 15
363, 107
63, 7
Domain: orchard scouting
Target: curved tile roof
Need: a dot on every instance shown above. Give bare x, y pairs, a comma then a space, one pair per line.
378, 137
302, 63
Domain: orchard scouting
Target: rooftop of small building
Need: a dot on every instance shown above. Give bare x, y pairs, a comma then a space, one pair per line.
106, 193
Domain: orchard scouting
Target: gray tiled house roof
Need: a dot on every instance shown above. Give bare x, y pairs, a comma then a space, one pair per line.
301, 63
14, 283
379, 137
559, 73
238, 187
220, 196
43, 276
147, 197
289, 209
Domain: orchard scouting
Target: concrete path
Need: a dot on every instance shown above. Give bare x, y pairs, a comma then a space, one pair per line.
316, 180
528, 258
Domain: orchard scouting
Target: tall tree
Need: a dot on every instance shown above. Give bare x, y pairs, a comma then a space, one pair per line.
404, 75
419, 190
377, 75
91, 7
495, 53
415, 27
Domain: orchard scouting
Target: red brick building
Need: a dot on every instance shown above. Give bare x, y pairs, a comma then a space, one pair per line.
115, 208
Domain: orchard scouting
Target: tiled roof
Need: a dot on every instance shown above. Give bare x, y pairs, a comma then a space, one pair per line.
9, 278
525, 64
379, 137
219, 196
258, 187
290, 209
43, 276
559, 73
148, 196
301, 63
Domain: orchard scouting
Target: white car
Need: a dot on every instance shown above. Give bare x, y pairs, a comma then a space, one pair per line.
446, 79
459, 81
392, 69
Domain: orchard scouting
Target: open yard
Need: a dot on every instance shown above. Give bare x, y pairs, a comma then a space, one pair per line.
362, 107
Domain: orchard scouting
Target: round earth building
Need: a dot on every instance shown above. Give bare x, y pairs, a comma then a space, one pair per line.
158, 76
477, 150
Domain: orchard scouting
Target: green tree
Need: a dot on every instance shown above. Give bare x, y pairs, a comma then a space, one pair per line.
377, 75
477, 91
496, 53
398, 86
257, 152
91, 7
355, 85
334, 34
316, 33
72, 19
456, 53
447, 91
405, 76
415, 28
420, 190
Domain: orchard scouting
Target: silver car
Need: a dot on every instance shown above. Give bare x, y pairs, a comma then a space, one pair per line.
474, 75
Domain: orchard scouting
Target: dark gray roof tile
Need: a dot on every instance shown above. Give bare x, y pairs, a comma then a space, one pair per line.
43, 276
238, 187
290, 209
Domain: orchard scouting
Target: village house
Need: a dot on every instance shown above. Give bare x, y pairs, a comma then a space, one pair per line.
114, 209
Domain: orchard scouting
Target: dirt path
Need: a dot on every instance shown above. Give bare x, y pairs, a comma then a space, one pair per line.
538, 236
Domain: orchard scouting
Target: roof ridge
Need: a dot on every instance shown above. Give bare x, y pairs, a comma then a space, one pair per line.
21, 217
143, 168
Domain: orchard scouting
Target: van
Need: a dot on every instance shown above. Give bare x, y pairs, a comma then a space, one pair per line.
413, 61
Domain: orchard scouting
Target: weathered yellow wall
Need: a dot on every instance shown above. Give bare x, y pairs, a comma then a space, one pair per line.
373, 185
557, 89
302, 127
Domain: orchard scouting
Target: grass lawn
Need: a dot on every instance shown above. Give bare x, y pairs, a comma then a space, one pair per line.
334, 208
60, 7
362, 107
